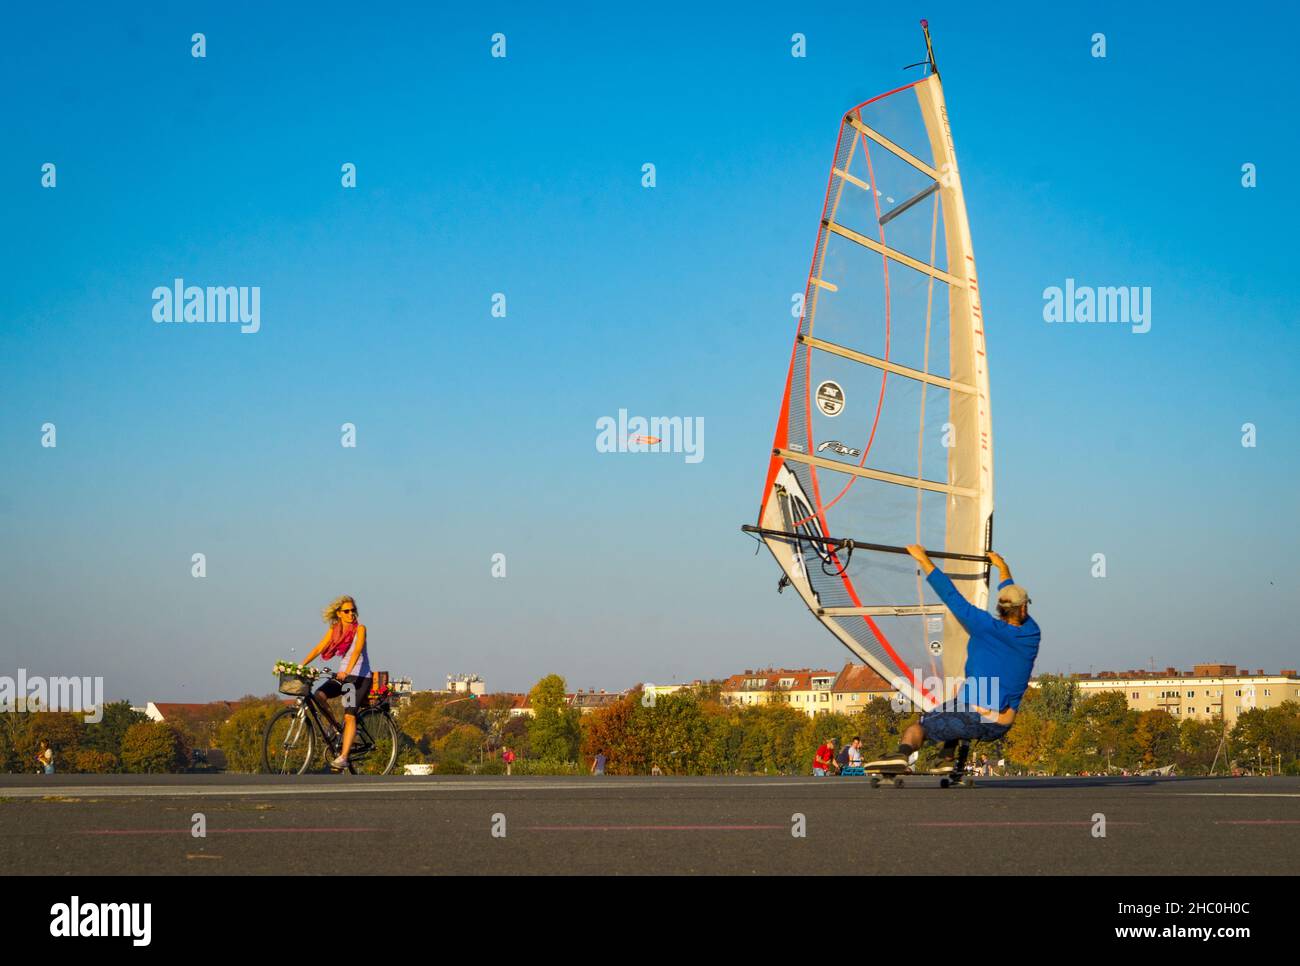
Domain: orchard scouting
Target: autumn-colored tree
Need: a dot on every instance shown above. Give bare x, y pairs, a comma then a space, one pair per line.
64, 730
1101, 734
1155, 738
646, 730
461, 744
201, 725
417, 722
1032, 743
153, 747
89, 761
609, 729
240, 735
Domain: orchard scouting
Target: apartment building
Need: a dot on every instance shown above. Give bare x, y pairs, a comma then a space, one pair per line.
1205, 692
803, 689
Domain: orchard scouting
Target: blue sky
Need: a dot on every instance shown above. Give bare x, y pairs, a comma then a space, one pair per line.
477, 434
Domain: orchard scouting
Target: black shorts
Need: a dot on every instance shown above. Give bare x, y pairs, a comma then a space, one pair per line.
333, 688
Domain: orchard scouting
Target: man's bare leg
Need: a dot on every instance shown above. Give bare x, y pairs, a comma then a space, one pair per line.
913, 739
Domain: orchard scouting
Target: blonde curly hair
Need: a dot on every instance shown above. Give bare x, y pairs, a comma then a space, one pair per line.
330, 615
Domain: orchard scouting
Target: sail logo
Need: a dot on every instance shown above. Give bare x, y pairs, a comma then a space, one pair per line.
1114, 304
830, 398
838, 448
220, 304
654, 434
75, 919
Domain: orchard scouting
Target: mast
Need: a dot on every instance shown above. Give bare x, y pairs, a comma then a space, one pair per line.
929, 48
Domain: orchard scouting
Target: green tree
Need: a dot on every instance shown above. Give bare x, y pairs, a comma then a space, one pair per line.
153, 747
1262, 735
1057, 696
1198, 743
553, 734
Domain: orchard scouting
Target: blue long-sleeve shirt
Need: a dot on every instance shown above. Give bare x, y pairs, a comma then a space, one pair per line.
998, 651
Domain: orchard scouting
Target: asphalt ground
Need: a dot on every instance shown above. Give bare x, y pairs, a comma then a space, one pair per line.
262, 824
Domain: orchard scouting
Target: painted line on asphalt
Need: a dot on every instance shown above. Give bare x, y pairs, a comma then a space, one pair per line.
216, 831
1018, 824
655, 828
175, 791
1239, 794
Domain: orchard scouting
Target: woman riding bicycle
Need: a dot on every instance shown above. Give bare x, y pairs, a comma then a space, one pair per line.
346, 640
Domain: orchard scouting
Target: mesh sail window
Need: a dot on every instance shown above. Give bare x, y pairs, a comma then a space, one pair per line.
884, 436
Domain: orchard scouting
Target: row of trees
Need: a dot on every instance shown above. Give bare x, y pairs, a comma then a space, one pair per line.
122, 740
1057, 731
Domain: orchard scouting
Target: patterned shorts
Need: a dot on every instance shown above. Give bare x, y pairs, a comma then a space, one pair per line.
946, 724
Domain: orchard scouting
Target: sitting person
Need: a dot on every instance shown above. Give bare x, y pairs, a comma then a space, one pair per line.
1002, 649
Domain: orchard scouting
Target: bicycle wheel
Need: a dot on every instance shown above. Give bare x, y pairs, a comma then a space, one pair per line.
288, 743
375, 750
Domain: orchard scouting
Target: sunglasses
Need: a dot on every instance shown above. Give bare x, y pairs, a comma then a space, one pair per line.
349, 610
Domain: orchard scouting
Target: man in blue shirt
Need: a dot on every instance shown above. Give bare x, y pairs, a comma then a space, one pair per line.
1000, 657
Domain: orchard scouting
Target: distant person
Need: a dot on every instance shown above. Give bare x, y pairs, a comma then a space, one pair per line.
656, 770
824, 759
1001, 652
346, 640
842, 759
598, 764
855, 752
45, 758
508, 757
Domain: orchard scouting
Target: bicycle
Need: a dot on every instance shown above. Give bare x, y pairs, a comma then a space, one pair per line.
295, 735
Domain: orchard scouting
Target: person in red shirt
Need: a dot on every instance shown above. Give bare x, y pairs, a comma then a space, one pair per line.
824, 760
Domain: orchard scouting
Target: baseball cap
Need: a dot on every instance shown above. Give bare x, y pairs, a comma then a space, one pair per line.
1013, 595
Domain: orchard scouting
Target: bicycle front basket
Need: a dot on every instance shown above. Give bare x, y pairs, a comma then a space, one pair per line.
295, 685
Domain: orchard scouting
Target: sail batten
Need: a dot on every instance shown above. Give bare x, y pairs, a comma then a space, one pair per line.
893, 148
885, 364
884, 437
908, 260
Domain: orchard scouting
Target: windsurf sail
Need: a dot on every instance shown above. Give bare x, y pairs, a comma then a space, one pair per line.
884, 435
